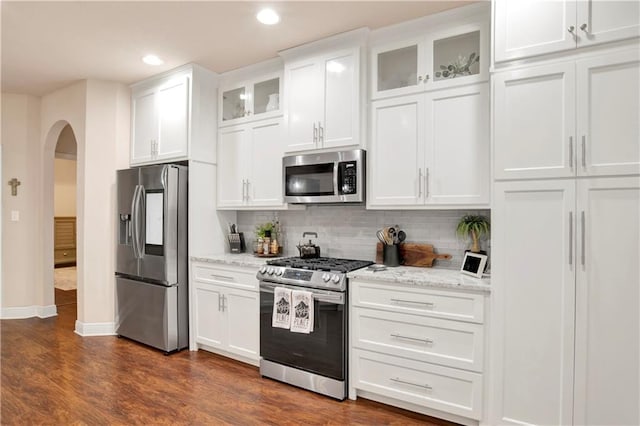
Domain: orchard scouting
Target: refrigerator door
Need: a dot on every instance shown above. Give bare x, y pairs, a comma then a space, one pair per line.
158, 224
148, 313
127, 185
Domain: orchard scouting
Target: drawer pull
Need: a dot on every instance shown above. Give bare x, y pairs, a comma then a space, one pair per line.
396, 379
399, 336
221, 278
413, 302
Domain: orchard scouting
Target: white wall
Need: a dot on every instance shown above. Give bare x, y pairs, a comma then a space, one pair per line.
20, 143
64, 187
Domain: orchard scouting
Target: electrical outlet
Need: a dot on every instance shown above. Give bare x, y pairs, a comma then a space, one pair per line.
15, 215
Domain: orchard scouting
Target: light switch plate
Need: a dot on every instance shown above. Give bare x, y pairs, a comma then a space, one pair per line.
15, 215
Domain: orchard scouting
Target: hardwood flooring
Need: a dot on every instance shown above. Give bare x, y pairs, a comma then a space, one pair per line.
50, 375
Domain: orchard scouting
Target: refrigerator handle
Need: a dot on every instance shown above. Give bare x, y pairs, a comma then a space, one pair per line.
140, 209
134, 222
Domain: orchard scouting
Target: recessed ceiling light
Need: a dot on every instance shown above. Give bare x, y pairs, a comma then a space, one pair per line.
268, 17
152, 60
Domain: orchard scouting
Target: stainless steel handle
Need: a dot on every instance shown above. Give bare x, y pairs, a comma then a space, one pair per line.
583, 225
220, 302
334, 297
414, 302
141, 208
571, 152
583, 27
222, 278
248, 183
426, 183
315, 133
426, 78
570, 238
244, 189
398, 380
584, 151
399, 336
571, 29
320, 133
134, 230
224, 302
419, 182
419, 78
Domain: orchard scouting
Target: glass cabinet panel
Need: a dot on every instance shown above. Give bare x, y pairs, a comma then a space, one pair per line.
234, 104
397, 68
266, 96
457, 56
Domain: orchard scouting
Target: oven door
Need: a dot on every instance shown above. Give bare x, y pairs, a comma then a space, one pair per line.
323, 351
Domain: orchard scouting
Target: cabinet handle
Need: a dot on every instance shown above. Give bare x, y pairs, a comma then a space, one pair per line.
570, 238
583, 27
571, 29
571, 152
419, 78
315, 133
426, 78
582, 223
219, 302
224, 303
399, 336
398, 380
243, 190
426, 182
248, 183
428, 304
584, 151
320, 133
419, 182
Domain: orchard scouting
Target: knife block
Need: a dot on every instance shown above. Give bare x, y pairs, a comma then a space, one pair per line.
236, 242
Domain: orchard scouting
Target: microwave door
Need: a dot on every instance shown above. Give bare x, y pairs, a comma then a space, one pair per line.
159, 224
127, 192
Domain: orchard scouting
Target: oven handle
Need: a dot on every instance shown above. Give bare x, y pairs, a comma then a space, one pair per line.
336, 299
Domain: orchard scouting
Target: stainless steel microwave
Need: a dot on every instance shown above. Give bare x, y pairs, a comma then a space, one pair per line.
327, 177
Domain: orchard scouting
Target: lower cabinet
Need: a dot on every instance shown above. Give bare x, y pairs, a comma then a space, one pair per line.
418, 348
225, 304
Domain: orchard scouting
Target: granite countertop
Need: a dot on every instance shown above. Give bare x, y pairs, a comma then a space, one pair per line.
428, 277
247, 260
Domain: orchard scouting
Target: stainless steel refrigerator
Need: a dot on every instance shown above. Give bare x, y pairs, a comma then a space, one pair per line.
151, 258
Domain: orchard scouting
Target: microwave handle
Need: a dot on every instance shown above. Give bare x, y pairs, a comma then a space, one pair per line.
336, 172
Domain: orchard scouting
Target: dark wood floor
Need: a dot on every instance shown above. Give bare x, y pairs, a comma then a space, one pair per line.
50, 375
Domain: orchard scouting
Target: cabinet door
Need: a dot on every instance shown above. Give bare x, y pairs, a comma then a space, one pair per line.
265, 183
608, 308
242, 309
398, 69
534, 119
265, 97
145, 127
608, 103
173, 109
303, 105
599, 21
533, 297
210, 321
457, 135
233, 156
397, 152
341, 123
532, 27
233, 105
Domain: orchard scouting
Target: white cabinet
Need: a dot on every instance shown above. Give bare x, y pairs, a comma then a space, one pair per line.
418, 345
250, 165
323, 101
170, 116
250, 100
452, 57
431, 150
526, 28
566, 302
567, 119
225, 303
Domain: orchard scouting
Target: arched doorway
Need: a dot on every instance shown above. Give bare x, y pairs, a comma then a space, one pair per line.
64, 225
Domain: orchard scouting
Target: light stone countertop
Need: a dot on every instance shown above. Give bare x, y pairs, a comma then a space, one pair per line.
247, 260
427, 277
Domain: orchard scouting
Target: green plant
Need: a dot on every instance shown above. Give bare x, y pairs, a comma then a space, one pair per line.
475, 227
261, 228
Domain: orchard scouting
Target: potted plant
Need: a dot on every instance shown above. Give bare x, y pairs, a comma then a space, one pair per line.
262, 228
475, 227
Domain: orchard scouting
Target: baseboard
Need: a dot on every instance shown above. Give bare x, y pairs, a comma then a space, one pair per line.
21, 312
95, 328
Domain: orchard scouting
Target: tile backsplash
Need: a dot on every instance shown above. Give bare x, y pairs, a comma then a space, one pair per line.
350, 231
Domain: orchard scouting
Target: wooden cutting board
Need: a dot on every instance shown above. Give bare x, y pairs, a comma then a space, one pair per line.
414, 254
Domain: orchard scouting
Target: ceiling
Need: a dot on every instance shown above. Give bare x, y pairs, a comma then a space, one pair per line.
51, 44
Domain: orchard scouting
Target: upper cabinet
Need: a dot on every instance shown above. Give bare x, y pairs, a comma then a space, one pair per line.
451, 57
526, 28
251, 100
171, 117
323, 100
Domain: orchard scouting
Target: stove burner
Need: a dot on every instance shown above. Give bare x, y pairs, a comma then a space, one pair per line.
321, 264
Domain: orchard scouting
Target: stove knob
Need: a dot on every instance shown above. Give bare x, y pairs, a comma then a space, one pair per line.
336, 279
270, 271
263, 269
278, 272
326, 277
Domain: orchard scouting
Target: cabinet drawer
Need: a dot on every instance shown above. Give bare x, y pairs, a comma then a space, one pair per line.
450, 343
419, 301
64, 256
441, 388
225, 275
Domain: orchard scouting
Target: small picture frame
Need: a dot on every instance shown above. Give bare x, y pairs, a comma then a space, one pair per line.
473, 264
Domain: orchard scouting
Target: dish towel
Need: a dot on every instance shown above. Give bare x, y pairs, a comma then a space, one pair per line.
302, 303
281, 308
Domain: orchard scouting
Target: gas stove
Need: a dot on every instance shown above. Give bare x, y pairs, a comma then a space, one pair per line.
323, 273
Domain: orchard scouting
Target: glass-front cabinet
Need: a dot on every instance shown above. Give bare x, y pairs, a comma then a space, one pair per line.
252, 100
445, 58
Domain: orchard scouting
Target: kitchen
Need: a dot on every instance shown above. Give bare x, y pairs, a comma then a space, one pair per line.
420, 220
